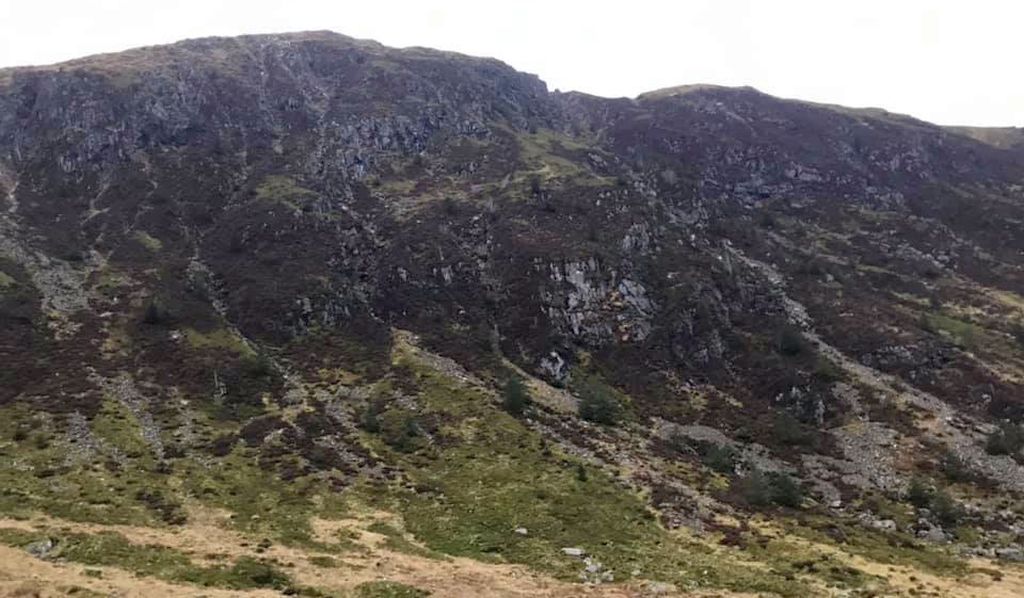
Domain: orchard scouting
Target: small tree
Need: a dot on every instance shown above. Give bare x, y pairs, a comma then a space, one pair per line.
789, 431
959, 470
919, 493
535, 186
400, 430
599, 405
761, 490
258, 366
155, 313
791, 342
785, 491
946, 510
1008, 439
720, 458
756, 489
370, 419
514, 397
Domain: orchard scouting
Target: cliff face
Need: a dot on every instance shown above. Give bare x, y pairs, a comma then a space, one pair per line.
244, 225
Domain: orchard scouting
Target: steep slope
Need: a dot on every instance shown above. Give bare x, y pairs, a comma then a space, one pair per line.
290, 276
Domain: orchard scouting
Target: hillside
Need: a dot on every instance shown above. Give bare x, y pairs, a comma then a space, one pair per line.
307, 314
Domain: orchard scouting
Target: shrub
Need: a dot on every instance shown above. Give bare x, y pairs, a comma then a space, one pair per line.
945, 509
956, 469
258, 366
514, 397
789, 431
785, 491
155, 313
720, 458
370, 418
919, 493
1018, 335
826, 370
1008, 439
755, 488
599, 405
535, 186
248, 572
760, 489
791, 342
400, 430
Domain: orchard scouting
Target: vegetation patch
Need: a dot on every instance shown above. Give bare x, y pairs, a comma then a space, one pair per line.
963, 334
892, 548
148, 241
388, 589
114, 550
221, 338
493, 476
284, 190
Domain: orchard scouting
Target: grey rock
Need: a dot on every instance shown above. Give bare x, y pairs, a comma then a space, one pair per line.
1015, 555
41, 548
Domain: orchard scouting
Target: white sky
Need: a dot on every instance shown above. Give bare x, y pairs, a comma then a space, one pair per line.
947, 61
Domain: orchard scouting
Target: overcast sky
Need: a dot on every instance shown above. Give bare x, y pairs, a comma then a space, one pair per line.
947, 61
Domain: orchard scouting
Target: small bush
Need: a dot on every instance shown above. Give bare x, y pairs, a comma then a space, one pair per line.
599, 405
789, 431
791, 342
400, 430
369, 420
826, 370
755, 489
957, 470
514, 397
258, 366
535, 185
1018, 335
760, 489
919, 493
1008, 439
155, 313
248, 572
720, 458
785, 491
945, 509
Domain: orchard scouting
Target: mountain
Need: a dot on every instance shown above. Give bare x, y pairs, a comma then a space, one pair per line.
307, 314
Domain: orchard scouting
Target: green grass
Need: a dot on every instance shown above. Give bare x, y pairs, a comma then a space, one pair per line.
148, 241
395, 540
540, 153
114, 550
787, 556
493, 475
35, 474
283, 190
34, 479
263, 505
891, 548
964, 334
324, 562
221, 338
388, 589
